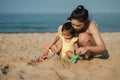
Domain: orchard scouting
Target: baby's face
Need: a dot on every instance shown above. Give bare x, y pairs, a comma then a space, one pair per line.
66, 34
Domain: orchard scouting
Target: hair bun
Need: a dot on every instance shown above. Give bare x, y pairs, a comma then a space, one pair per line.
80, 7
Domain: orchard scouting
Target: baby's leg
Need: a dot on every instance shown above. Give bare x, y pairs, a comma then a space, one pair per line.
70, 54
57, 47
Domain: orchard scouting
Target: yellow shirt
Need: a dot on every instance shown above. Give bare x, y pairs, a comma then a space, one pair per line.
67, 45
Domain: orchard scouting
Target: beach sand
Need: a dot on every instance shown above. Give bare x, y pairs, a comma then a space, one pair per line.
16, 51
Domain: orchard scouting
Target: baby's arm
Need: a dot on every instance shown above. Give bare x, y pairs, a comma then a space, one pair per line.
51, 46
57, 48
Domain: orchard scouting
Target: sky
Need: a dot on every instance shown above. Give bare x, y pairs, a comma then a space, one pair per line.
58, 6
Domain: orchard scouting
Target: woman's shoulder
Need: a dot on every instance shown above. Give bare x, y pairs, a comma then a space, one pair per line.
92, 26
60, 28
93, 23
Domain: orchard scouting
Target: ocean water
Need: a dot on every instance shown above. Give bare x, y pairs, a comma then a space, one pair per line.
15, 23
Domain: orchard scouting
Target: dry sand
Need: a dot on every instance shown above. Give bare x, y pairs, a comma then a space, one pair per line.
16, 50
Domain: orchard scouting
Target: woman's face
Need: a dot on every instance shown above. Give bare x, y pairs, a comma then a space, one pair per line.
77, 25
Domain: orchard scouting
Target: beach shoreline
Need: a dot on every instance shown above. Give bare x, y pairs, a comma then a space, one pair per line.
16, 50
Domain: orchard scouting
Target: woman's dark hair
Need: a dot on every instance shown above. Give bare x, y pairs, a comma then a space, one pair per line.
68, 26
80, 13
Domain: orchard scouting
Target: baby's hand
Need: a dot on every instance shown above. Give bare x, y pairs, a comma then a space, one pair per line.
42, 55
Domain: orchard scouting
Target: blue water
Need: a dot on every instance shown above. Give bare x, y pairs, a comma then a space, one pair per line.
13, 23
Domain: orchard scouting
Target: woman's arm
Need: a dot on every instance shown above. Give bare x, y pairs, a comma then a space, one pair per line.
100, 46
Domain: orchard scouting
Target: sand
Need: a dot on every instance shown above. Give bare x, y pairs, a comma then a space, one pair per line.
16, 51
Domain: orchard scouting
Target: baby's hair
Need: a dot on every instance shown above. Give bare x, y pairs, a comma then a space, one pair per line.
68, 26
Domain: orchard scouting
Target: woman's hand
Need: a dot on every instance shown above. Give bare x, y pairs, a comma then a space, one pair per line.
82, 50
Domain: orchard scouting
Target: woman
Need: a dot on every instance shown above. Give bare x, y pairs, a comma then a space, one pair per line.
89, 38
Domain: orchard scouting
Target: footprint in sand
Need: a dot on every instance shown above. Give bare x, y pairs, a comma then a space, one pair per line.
5, 69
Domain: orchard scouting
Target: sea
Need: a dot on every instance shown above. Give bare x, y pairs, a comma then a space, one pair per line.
49, 22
